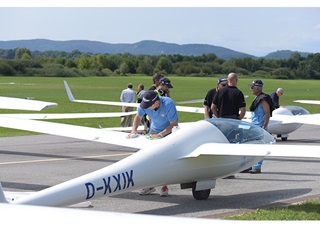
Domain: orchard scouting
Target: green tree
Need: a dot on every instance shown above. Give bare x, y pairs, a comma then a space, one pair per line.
84, 63
26, 56
6, 69
100, 61
145, 66
164, 64
19, 52
113, 62
124, 68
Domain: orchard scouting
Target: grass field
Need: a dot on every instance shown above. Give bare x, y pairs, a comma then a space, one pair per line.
308, 210
109, 88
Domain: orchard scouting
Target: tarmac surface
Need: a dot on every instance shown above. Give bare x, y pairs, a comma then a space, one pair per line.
33, 163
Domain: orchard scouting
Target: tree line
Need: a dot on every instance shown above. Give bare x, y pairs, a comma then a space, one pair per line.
23, 62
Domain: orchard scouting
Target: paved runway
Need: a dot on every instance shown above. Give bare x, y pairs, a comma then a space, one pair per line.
32, 163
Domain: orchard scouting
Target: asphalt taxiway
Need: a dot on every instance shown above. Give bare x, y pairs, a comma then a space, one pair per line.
32, 163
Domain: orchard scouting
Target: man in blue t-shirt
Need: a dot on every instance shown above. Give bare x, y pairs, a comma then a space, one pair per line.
163, 115
162, 112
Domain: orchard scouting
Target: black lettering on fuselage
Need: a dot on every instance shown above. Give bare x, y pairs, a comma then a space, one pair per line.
125, 179
90, 186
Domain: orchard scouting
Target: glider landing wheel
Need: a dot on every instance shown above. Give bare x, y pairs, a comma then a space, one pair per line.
200, 195
284, 138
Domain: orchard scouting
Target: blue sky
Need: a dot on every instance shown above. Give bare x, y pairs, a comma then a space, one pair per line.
253, 30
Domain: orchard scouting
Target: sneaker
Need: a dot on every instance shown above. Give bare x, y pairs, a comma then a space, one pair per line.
164, 191
146, 191
246, 170
229, 177
254, 171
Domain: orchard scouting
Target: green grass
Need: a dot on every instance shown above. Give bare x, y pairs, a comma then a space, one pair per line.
109, 88
308, 210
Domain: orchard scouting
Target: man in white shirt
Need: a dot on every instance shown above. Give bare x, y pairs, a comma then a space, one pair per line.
129, 96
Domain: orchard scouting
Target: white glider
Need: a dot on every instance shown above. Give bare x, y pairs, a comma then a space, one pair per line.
317, 102
24, 104
50, 116
179, 108
193, 156
287, 119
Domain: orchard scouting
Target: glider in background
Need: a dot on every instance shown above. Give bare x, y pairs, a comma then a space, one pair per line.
179, 108
24, 104
284, 120
287, 119
35, 105
317, 102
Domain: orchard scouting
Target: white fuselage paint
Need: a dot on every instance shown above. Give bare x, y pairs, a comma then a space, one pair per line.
152, 166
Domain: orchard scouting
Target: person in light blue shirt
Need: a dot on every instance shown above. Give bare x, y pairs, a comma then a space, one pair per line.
163, 115
161, 111
261, 111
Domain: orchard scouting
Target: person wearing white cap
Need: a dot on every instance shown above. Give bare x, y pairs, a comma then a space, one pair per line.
261, 111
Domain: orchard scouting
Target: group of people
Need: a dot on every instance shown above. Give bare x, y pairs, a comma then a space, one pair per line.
227, 101
159, 111
224, 101
161, 85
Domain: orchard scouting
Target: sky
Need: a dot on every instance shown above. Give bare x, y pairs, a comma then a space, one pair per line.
248, 28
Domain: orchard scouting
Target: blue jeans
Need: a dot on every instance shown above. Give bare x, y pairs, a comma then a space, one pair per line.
257, 165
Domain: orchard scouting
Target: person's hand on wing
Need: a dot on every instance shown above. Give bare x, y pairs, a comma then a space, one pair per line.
132, 135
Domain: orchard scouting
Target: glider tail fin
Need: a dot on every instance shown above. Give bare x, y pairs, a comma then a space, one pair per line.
70, 96
2, 196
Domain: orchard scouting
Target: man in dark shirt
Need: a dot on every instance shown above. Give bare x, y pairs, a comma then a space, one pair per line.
229, 100
275, 97
156, 79
222, 82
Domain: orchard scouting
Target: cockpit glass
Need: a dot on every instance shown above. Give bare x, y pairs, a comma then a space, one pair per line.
237, 131
297, 110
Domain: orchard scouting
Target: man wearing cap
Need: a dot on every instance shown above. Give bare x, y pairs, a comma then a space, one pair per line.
163, 115
222, 82
164, 87
261, 111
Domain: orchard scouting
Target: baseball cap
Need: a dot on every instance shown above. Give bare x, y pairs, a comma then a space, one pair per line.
165, 81
258, 83
148, 99
222, 80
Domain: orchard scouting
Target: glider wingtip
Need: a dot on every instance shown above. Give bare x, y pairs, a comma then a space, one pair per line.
2, 196
70, 95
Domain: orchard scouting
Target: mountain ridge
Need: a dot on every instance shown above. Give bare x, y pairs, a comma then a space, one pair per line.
144, 47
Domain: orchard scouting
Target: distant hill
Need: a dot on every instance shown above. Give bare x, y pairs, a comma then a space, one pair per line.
146, 47
284, 54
